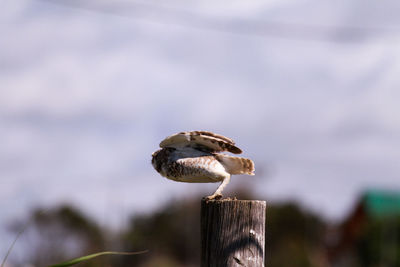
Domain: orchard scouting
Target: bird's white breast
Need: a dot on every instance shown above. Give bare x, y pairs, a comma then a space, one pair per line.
196, 166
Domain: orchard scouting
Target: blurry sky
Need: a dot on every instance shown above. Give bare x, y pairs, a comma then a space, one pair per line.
308, 89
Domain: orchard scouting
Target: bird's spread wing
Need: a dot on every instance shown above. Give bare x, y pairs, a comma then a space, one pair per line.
210, 141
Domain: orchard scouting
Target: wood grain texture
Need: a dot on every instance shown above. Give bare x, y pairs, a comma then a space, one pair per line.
232, 233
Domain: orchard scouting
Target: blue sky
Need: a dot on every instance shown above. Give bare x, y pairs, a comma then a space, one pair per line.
89, 90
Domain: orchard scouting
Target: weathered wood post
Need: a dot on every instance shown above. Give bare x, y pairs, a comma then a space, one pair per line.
232, 233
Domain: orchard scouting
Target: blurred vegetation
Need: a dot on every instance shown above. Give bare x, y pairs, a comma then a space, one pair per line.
292, 231
294, 237
172, 235
379, 243
60, 234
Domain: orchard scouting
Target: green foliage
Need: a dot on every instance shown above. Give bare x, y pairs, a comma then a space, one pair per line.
291, 231
294, 237
61, 233
379, 242
172, 234
91, 256
72, 221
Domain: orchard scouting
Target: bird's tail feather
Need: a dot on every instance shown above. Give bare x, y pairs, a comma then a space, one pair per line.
236, 165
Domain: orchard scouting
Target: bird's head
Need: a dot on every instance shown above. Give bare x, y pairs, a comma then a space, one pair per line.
155, 160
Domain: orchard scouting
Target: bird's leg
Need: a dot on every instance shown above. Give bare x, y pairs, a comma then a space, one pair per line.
218, 192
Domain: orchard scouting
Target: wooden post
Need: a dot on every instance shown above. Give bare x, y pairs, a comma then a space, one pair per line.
232, 233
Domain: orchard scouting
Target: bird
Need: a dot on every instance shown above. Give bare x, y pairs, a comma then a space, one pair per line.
195, 157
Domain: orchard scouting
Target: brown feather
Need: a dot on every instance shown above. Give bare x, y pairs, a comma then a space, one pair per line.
213, 142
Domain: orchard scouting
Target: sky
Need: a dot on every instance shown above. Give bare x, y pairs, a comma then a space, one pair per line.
308, 90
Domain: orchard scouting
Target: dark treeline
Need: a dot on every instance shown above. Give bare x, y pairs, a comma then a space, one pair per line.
294, 237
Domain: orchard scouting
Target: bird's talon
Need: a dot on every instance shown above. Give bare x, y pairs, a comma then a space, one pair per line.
213, 197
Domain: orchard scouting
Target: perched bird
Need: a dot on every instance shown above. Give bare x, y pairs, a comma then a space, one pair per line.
194, 157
